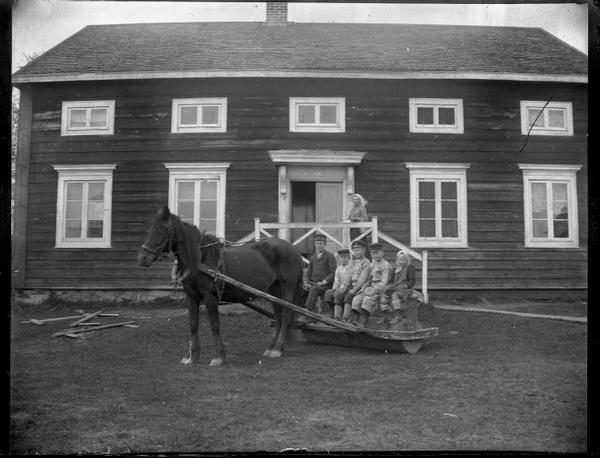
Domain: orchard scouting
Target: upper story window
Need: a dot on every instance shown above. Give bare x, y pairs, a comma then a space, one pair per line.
440, 116
199, 115
83, 208
438, 204
555, 119
550, 205
317, 114
92, 117
197, 194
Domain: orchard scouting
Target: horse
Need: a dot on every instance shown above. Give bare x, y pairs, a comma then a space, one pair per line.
271, 265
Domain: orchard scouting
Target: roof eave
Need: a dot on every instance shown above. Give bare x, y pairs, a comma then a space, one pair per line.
108, 76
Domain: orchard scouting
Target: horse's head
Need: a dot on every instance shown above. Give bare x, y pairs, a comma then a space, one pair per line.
159, 240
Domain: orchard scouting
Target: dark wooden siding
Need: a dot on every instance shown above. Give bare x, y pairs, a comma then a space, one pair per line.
376, 123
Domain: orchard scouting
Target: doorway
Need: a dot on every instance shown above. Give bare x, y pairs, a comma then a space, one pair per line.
314, 201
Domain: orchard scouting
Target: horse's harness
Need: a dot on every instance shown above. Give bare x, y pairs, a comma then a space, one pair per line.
219, 284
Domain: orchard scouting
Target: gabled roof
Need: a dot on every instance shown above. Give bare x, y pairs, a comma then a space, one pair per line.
179, 50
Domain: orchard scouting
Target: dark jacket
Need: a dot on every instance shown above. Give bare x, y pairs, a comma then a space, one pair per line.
322, 268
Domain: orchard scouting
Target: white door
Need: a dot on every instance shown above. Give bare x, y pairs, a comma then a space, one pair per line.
329, 209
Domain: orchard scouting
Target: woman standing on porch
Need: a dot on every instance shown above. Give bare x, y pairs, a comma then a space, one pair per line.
357, 214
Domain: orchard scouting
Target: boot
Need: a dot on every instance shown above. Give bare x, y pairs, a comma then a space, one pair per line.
346, 316
363, 319
385, 318
397, 317
337, 312
354, 315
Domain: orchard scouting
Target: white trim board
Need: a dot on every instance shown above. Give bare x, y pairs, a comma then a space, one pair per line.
402, 75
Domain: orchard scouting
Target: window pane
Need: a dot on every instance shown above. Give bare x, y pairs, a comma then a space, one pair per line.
449, 189
540, 228
74, 210
427, 228
560, 210
77, 118
185, 190
328, 114
210, 114
532, 113
94, 229
98, 117
96, 191
74, 191
185, 210
208, 209
449, 209
425, 115
73, 228
209, 224
426, 190
449, 228
561, 229
538, 200
446, 116
559, 191
426, 209
95, 210
556, 119
188, 115
208, 190
306, 114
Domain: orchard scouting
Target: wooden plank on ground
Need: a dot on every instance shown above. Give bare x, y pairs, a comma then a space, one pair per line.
456, 308
88, 317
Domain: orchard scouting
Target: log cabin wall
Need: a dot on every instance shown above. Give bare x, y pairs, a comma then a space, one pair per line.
377, 123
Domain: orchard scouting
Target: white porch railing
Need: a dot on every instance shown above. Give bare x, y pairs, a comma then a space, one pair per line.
370, 227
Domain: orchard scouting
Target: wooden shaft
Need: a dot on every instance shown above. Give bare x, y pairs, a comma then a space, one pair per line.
88, 317
258, 309
424, 269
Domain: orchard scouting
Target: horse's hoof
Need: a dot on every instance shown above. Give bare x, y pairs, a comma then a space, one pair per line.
275, 354
267, 352
216, 361
186, 361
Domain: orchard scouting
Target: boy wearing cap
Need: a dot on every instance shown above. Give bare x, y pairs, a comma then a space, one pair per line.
320, 272
359, 271
335, 296
364, 303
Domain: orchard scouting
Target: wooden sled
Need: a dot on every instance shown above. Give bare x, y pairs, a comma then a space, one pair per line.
332, 332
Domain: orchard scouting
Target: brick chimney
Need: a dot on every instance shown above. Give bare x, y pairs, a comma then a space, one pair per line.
276, 13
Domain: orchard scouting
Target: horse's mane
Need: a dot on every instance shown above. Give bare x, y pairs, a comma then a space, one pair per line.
196, 246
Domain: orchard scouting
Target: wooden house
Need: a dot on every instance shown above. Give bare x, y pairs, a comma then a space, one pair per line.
470, 144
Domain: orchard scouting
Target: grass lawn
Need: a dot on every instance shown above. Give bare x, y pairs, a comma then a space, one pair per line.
487, 382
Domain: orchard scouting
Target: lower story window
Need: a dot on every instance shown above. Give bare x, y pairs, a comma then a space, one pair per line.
438, 204
197, 194
83, 211
550, 205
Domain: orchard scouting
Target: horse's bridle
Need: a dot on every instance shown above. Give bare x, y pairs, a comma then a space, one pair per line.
162, 252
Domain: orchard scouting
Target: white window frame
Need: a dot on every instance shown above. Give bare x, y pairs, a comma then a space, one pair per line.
85, 173
177, 128
546, 130
195, 171
457, 104
551, 173
339, 126
87, 105
426, 171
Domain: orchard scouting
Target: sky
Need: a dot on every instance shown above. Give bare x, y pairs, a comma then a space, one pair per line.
38, 25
